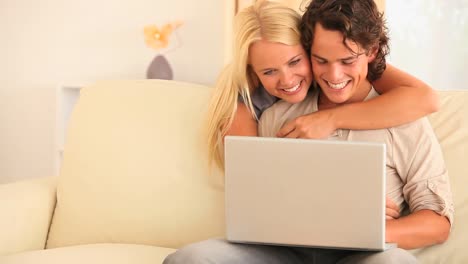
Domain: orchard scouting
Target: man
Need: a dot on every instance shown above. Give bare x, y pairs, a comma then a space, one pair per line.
347, 43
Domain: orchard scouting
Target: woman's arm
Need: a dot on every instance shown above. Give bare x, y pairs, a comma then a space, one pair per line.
243, 123
414, 98
404, 99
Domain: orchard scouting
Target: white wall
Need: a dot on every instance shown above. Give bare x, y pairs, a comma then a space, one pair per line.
51, 42
429, 39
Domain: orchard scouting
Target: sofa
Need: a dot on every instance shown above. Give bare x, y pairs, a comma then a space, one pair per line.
135, 184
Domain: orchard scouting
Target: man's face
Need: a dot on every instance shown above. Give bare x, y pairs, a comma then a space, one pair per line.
283, 70
340, 72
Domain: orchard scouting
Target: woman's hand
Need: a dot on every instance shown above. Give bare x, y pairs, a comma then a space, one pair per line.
315, 125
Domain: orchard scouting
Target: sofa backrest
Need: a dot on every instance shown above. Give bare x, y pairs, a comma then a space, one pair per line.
451, 127
133, 171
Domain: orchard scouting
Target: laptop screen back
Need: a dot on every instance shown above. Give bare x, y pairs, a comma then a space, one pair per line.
318, 193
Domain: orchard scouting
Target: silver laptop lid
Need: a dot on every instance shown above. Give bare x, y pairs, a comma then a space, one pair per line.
318, 193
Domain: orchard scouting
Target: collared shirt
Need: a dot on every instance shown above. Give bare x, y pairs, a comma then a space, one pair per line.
417, 177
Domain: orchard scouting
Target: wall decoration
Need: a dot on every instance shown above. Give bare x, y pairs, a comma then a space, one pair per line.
158, 38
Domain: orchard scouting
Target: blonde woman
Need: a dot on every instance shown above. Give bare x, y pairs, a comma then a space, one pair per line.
239, 97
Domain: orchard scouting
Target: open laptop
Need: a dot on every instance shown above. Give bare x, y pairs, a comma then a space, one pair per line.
300, 192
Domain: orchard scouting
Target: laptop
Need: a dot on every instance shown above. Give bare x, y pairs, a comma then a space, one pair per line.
307, 193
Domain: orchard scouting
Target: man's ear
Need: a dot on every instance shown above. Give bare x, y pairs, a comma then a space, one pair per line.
372, 53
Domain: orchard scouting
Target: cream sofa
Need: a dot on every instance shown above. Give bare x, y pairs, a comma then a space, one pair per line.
134, 184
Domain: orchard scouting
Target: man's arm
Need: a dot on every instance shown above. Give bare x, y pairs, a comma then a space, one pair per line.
419, 162
419, 229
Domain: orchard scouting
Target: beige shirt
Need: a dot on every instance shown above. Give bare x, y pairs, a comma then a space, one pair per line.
416, 174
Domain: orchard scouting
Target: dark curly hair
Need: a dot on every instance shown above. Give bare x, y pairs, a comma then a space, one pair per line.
358, 21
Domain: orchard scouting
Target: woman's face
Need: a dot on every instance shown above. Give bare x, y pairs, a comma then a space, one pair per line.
283, 70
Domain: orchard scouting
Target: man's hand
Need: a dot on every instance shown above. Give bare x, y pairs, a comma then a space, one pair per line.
391, 211
315, 125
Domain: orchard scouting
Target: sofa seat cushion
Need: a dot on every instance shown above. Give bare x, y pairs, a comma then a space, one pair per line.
92, 253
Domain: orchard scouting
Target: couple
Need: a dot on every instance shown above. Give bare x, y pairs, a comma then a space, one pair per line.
345, 43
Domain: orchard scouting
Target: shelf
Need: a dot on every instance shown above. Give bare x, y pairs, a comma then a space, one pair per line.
66, 98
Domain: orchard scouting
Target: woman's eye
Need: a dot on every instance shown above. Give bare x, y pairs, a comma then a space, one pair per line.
321, 61
294, 62
269, 72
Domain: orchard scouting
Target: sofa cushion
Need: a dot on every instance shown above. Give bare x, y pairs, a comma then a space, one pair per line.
451, 127
92, 254
133, 169
22, 201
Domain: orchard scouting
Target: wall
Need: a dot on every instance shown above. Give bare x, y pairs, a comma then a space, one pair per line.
51, 42
429, 39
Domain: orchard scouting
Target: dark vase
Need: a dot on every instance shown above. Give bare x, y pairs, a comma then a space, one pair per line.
159, 69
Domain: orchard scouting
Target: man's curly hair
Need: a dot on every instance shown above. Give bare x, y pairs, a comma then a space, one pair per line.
358, 20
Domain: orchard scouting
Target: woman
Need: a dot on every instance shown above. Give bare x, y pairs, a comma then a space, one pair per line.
239, 98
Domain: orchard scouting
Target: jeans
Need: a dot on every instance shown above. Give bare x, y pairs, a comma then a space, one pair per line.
220, 251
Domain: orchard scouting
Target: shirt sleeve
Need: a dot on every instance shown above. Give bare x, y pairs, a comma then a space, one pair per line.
419, 162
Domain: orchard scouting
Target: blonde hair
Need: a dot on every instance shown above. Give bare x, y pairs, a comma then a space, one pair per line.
264, 20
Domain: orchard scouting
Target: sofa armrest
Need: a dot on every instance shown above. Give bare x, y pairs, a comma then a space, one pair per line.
26, 209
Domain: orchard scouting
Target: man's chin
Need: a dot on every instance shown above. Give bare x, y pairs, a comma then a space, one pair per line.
334, 99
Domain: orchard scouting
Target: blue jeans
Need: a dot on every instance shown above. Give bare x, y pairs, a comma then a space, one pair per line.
220, 251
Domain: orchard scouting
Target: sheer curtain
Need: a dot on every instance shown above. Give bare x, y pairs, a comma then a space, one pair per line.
429, 39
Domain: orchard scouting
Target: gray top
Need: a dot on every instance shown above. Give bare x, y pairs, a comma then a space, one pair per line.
261, 100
